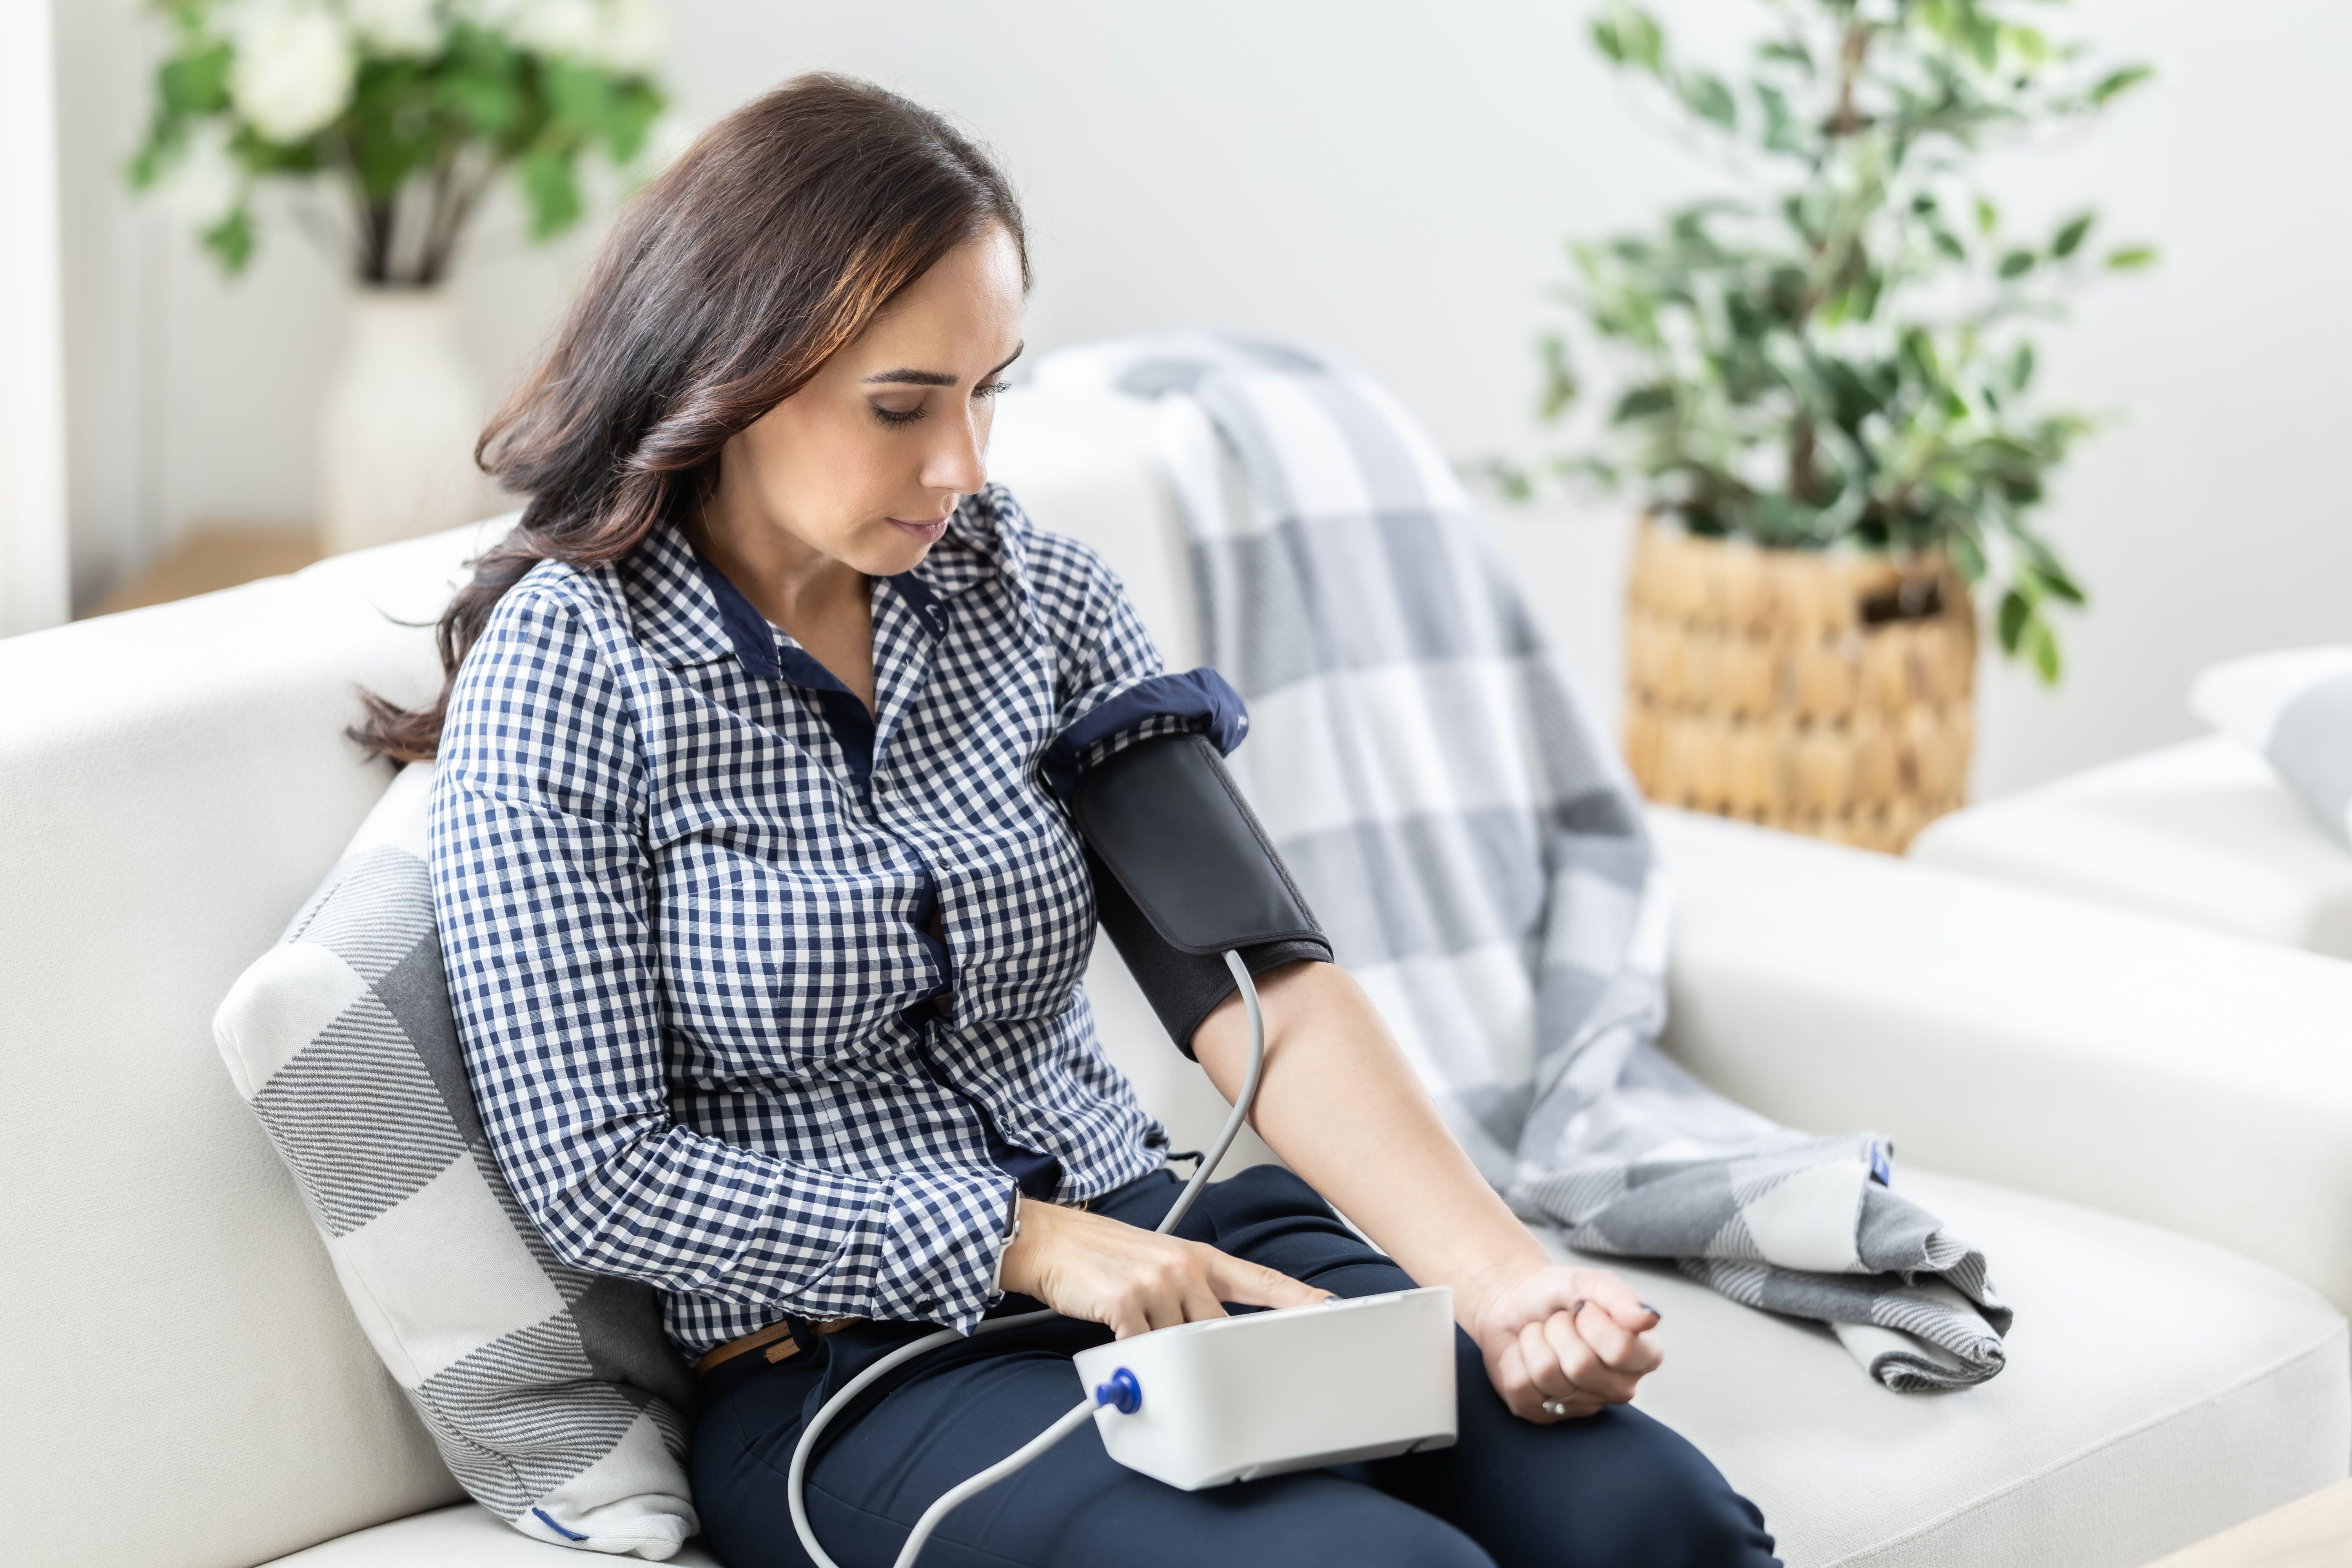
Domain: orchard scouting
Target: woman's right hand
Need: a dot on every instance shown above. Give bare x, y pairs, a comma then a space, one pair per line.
1085, 1266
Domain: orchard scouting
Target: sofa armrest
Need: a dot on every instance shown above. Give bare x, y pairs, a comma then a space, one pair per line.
2188, 1077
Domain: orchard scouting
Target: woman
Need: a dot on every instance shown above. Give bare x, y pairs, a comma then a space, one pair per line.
765, 939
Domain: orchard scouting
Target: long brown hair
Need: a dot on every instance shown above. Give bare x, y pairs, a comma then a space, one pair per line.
766, 248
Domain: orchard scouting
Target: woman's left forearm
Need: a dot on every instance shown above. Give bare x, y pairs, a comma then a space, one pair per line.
1342, 1108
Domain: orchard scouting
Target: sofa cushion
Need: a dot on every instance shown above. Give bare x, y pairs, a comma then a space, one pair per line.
2157, 1390
2294, 709
461, 1537
552, 1394
2202, 832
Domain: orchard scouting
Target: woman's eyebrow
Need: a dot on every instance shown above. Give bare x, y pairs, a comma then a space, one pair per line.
909, 377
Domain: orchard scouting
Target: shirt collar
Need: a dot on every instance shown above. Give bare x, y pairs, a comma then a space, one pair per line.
673, 608
685, 611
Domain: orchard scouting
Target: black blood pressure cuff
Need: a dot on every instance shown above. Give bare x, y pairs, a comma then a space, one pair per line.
1182, 872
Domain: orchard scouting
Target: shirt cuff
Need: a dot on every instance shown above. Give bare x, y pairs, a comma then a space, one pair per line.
940, 1259
1198, 701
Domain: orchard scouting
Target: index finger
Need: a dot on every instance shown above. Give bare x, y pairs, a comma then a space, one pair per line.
1255, 1285
1616, 1297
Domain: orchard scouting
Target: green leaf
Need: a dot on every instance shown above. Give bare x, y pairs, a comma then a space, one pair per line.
2130, 257
1988, 216
2016, 264
1511, 481
1560, 387
231, 241
2118, 81
2043, 569
1711, 100
493, 100
1966, 558
155, 155
613, 110
1643, 403
550, 189
2028, 43
2069, 237
2042, 649
1645, 41
2021, 367
1630, 37
194, 83
1982, 35
1950, 243
2011, 621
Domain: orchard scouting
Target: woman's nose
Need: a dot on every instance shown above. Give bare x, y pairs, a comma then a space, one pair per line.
959, 462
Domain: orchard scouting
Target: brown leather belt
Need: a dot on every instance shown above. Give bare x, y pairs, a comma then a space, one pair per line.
781, 1340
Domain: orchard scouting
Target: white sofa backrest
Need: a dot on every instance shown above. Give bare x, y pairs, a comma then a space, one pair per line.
173, 783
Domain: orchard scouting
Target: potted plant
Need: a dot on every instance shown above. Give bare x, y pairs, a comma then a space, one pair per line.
408, 114
1822, 396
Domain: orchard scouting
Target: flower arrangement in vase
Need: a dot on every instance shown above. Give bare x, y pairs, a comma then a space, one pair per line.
405, 115
1825, 401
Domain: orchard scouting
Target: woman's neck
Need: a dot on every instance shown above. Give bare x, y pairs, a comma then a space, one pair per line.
823, 604
790, 583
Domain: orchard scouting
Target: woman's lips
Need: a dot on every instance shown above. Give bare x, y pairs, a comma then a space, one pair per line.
928, 532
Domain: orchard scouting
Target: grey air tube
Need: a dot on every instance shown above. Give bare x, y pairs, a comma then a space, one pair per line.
796, 1478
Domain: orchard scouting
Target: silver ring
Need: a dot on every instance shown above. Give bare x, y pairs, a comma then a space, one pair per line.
1555, 1407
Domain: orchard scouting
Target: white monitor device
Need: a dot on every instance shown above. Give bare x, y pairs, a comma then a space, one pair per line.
1235, 1398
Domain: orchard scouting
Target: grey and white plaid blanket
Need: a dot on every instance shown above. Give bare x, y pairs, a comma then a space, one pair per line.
1480, 863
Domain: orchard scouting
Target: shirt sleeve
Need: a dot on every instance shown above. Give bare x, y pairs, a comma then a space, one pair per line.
1114, 694
1114, 691
545, 895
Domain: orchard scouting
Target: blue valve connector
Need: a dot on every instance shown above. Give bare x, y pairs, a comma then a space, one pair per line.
1122, 1393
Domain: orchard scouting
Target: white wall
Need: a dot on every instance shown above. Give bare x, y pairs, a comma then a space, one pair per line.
33, 577
1391, 181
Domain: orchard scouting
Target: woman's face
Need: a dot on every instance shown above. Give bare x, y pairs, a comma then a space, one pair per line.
864, 464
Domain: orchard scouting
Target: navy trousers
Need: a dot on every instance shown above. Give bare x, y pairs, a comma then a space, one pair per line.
1615, 1491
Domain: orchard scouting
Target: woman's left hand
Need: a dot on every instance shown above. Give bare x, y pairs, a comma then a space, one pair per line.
1562, 1342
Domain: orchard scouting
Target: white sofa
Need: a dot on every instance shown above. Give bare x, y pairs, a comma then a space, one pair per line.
2202, 831
2147, 1127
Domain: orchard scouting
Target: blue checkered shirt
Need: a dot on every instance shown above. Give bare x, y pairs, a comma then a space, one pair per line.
687, 884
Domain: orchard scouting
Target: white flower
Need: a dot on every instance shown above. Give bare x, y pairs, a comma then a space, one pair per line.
622, 35
292, 73
204, 184
397, 27
632, 37
554, 27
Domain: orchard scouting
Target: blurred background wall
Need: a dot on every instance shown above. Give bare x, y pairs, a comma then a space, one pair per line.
1391, 182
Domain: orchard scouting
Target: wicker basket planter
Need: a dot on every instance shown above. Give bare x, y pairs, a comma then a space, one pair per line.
1824, 692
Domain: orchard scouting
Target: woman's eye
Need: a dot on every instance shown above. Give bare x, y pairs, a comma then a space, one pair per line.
990, 389
897, 415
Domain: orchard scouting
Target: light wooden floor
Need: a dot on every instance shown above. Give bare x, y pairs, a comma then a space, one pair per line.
213, 556
2314, 1533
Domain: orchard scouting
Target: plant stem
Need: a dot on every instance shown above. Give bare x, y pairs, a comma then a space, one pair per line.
1847, 118
434, 253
